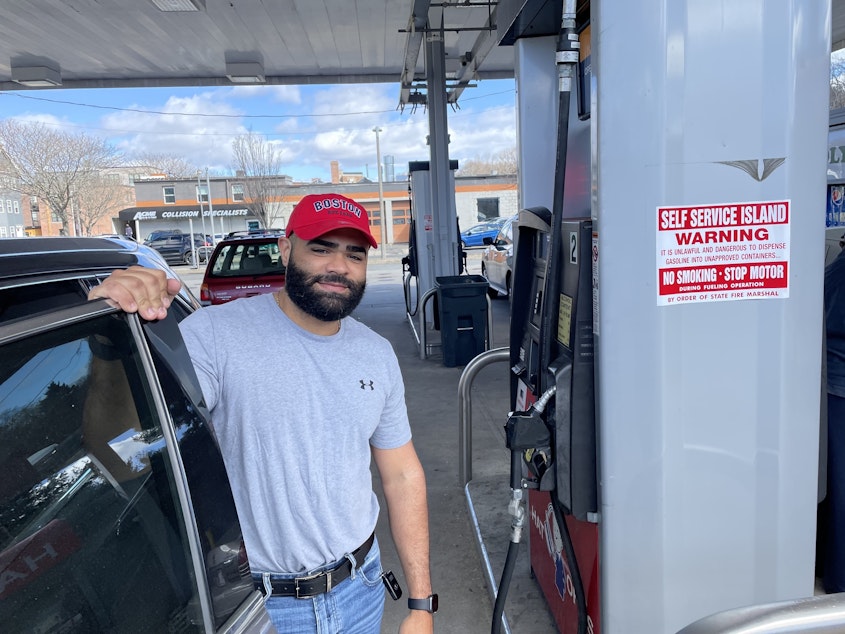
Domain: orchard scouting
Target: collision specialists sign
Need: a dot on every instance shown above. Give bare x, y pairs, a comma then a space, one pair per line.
165, 214
723, 252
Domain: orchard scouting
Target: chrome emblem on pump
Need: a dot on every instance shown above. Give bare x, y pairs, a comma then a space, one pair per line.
752, 167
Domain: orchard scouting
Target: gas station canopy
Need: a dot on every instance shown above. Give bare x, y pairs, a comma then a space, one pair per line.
161, 43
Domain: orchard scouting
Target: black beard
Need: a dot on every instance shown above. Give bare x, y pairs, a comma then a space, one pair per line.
323, 306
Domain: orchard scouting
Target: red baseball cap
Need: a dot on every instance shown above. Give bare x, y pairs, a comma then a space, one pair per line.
318, 214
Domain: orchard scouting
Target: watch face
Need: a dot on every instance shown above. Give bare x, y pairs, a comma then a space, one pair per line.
433, 598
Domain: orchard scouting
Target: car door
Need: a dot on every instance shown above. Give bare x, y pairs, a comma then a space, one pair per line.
115, 510
170, 247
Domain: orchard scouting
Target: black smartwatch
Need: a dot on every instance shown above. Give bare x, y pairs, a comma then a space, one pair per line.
429, 604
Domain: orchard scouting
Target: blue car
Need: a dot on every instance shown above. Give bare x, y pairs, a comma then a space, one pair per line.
474, 236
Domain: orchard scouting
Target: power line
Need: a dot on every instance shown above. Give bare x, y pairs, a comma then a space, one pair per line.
193, 114
61, 124
222, 115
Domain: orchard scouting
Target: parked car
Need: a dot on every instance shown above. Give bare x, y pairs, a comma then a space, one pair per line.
497, 260
178, 248
474, 236
158, 234
116, 510
241, 266
254, 232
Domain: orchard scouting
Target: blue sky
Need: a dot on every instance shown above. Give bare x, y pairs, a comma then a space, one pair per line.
312, 125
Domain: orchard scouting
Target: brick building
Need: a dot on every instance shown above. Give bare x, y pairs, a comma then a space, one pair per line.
184, 204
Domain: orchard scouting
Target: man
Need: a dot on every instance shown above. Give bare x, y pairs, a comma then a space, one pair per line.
301, 395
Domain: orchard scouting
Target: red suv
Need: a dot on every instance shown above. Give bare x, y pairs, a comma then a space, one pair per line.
243, 265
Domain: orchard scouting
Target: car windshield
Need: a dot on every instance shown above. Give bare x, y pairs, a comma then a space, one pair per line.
247, 258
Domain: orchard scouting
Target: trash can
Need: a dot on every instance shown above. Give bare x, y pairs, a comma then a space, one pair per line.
462, 308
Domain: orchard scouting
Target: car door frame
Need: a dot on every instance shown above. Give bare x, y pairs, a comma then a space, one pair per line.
164, 338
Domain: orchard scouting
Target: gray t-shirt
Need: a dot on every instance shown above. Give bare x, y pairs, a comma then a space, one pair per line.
295, 415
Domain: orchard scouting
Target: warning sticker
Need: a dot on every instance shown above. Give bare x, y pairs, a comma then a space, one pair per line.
713, 253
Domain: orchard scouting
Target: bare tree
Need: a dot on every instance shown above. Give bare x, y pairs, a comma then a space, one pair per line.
175, 167
503, 162
50, 164
258, 163
96, 197
837, 82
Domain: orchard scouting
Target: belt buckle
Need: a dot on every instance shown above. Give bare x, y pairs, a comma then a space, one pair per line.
310, 578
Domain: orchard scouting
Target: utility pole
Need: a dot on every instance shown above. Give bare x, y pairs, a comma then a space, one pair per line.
202, 215
383, 244
211, 211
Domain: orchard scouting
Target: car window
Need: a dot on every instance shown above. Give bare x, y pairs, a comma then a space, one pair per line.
505, 235
247, 258
17, 302
24, 301
92, 535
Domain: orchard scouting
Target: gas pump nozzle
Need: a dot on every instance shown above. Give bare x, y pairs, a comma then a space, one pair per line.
528, 437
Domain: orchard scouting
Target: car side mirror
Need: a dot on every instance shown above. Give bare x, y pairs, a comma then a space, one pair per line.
487, 241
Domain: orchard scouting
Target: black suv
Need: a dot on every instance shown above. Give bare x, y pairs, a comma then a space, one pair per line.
115, 508
178, 248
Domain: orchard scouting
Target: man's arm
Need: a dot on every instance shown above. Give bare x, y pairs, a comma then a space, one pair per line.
403, 481
137, 289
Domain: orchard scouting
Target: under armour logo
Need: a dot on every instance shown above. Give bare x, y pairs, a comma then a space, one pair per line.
366, 384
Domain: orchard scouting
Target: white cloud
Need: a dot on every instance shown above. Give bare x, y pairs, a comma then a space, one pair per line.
279, 94
45, 119
312, 125
183, 130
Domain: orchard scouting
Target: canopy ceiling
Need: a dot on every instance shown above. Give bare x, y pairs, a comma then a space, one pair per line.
120, 43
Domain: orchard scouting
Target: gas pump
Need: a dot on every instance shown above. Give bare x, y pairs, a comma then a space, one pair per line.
699, 457
421, 262
552, 431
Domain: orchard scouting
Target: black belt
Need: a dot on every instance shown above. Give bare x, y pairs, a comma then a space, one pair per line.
321, 582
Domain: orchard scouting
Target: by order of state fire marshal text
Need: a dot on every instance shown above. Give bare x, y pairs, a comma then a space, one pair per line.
723, 252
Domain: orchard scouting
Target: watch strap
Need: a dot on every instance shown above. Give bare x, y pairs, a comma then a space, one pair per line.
429, 604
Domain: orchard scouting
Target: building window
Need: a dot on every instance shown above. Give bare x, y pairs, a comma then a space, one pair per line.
9, 206
237, 193
54, 217
2, 231
202, 194
401, 216
33, 211
16, 206
487, 208
169, 194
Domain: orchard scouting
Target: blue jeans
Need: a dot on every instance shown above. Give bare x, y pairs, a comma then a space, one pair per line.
354, 606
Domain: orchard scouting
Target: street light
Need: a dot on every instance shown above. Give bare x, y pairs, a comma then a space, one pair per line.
381, 197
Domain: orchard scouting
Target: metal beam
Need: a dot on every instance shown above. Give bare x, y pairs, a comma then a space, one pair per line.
484, 43
413, 42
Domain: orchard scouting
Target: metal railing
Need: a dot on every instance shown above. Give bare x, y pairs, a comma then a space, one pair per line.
465, 408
